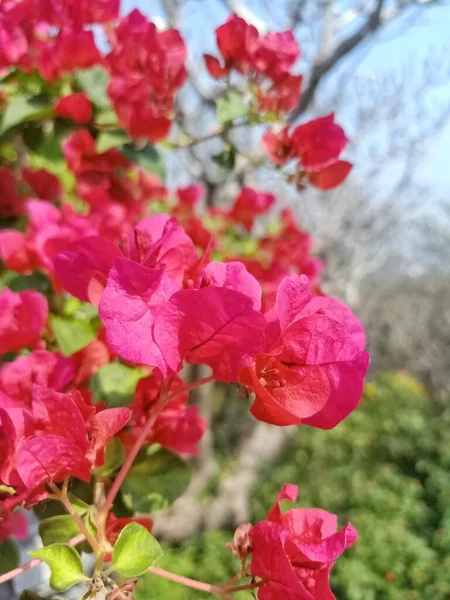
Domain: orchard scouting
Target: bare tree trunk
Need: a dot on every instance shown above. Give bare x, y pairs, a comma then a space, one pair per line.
231, 506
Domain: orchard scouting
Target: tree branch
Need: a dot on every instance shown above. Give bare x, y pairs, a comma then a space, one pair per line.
324, 65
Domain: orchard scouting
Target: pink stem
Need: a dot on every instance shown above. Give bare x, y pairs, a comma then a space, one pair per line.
35, 562
190, 386
248, 586
163, 400
192, 583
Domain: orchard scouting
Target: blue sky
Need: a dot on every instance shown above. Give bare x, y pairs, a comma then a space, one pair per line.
402, 46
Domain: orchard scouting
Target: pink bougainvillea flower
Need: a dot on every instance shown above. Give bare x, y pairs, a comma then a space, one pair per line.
319, 143
83, 268
48, 369
16, 251
22, 319
76, 107
56, 436
50, 231
147, 67
214, 326
157, 241
294, 552
44, 184
234, 276
248, 205
128, 309
14, 526
313, 366
279, 145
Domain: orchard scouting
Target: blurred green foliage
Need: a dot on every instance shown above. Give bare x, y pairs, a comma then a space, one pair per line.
387, 470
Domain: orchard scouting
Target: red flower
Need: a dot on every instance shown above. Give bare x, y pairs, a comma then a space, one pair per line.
15, 526
249, 204
89, 360
332, 176
49, 369
68, 51
237, 40
76, 13
56, 436
214, 67
22, 319
319, 143
147, 68
43, 183
76, 107
178, 427
279, 145
313, 366
294, 552
266, 60
16, 251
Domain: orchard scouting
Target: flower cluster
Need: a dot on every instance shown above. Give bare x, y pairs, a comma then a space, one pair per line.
147, 68
316, 146
114, 285
292, 553
51, 35
266, 61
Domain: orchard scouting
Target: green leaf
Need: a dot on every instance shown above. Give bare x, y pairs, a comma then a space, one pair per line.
147, 158
111, 139
106, 116
95, 83
226, 159
36, 281
114, 457
231, 107
116, 383
134, 551
9, 556
64, 563
5, 490
81, 507
72, 334
29, 595
57, 530
155, 481
33, 136
25, 108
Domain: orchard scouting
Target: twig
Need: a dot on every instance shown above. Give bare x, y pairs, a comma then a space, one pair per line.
35, 562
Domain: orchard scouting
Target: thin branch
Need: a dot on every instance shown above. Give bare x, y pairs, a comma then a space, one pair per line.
35, 562
192, 583
323, 66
